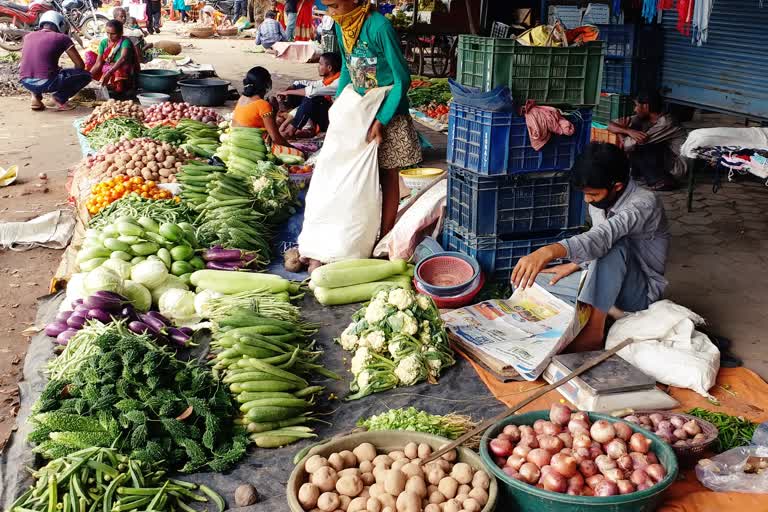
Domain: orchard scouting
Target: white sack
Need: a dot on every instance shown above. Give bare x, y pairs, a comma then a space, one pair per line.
750, 138
668, 347
343, 206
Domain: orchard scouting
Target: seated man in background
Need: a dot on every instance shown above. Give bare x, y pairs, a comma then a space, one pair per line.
313, 97
652, 141
270, 31
624, 253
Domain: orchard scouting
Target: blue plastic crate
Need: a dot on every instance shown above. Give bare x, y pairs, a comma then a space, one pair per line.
617, 76
497, 143
619, 40
502, 205
498, 255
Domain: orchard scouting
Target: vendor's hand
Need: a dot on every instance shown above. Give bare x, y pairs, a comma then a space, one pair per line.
526, 270
105, 79
639, 136
376, 132
560, 271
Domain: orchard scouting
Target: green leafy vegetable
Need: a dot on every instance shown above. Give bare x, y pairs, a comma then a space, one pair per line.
112, 130
411, 419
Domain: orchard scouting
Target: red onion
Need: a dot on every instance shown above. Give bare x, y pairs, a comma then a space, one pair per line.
699, 438
652, 459
550, 443
632, 419
500, 461
505, 437
546, 469
559, 414
527, 430
644, 485
554, 482
602, 431
530, 473
605, 463
681, 442
595, 450
639, 460
677, 421
501, 447
656, 418
656, 472
614, 474
511, 472
588, 468
513, 432
638, 476
529, 440
538, 426
581, 416
582, 441
587, 491
665, 425
581, 454
639, 443
623, 431
692, 428
625, 487
616, 448
566, 438
577, 426
576, 480
593, 480
606, 488
566, 451
564, 464
522, 450
624, 463
680, 434
515, 461
551, 429
539, 456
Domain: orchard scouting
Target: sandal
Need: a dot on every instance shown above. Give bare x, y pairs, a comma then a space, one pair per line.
64, 107
37, 107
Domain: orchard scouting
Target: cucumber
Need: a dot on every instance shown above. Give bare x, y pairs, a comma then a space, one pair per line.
120, 255
182, 253
149, 224
129, 239
358, 292
113, 244
88, 265
145, 248
181, 267
171, 231
336, 277
165, 256
129, 229
137, 259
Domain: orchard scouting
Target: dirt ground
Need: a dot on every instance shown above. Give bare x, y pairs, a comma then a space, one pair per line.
717, 265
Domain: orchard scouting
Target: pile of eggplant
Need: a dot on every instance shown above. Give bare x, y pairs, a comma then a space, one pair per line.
219, 258
106, 307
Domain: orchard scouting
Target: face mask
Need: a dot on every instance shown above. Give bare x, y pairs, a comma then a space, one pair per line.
604, 204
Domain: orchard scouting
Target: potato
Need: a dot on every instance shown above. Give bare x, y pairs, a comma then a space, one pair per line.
350, 460
397, 454
328, 501
146, 174
432, 508
400, 463
436, 497
336, 461
357, 505
411, 450
314, 463
450, 456
324, 478
365, 467
448, 486
348, 472
412, 469
368, 478
349, 485
424, 451
416, 485
479, 495
387, 509
383, 460
408, 502
394, 482
451, 506
471, 505
444, 464
344, 502
373, 505
364, 451
246, 495
380, 473
435, 474
387, 501
481, 480
461, 498
462, 472
431, 488
463, 489
365, 493
165, 173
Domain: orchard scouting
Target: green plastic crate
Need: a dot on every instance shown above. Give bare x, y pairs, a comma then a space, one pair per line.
611, 107
554, 76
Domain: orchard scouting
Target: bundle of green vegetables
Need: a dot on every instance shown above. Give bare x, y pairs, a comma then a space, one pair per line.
115, 129
98, 478
201, 139
437, 91
136, 206
241, 148
350, 281
167, 134
411, 419
139, 398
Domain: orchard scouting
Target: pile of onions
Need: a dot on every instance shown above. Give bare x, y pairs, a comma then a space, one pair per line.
569, 454
148, 158
676, 430
106, 307
168, 111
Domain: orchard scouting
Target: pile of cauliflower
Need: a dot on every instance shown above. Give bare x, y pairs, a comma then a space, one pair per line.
398, 339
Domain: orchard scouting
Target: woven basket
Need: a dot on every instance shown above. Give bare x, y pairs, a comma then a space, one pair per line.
201, 33
688, 454
227, 31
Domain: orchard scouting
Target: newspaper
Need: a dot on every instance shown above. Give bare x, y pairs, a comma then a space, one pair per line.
522, 332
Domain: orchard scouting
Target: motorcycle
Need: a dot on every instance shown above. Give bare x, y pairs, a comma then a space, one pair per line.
17, 20
83, 15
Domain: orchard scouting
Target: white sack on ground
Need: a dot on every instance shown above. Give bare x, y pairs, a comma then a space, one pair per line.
343, 206
51, 230
668, 347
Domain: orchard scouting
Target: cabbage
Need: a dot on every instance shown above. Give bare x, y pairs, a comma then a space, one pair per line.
103, 278
123, 268
201, 302
138, 295
75, 290
172, 282
178, 306
150, 273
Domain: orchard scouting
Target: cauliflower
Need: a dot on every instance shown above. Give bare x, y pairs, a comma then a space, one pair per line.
363, 379
381, 296
348, 340
401, 298
423, 302
360, 360
393, 348
376, 311
409, 370
426, 333
410, 325
260, 184
376, 341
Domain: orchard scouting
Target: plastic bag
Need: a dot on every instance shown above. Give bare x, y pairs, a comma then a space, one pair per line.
243, 23
343, 208
725, 472
496, 100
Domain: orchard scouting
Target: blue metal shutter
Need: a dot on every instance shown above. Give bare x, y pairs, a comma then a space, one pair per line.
729, 72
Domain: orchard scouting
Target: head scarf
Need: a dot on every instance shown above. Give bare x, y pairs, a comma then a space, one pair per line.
351, 24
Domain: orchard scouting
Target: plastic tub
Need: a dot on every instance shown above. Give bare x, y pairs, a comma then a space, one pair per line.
158, 80
205, 92
527, 498
384, 441
418, 178
152, 98
447, 274
456, 301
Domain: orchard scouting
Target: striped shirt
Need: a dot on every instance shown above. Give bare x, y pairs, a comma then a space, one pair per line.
270, 32
639, 217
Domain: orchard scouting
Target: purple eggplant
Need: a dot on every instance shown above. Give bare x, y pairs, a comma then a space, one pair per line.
55, 328
64, 336
155, 326
104, 294
76, 303
76, 321
224, 265
80, 309
111, 302
100, 315
178, 337
139, 327
63, 316
222, 254
187, 330
158, 316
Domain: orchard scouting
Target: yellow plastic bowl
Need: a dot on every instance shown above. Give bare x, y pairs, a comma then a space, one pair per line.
420, 177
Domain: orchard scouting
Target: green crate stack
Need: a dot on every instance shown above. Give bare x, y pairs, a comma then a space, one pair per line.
611, 107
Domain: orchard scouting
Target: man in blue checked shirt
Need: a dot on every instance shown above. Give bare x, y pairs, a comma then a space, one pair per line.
270, 31
624, 253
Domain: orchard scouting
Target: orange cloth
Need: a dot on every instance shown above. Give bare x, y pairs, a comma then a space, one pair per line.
252, 114
740, 392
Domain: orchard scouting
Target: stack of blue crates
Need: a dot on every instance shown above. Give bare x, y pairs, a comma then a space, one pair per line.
632, 58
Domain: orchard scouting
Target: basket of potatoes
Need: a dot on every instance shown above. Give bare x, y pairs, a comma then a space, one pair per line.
382, 472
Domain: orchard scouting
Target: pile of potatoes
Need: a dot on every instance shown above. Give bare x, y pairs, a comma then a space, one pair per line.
364, 480
148, 158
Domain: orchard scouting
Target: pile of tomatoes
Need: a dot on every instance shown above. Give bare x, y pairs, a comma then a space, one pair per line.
113, 189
